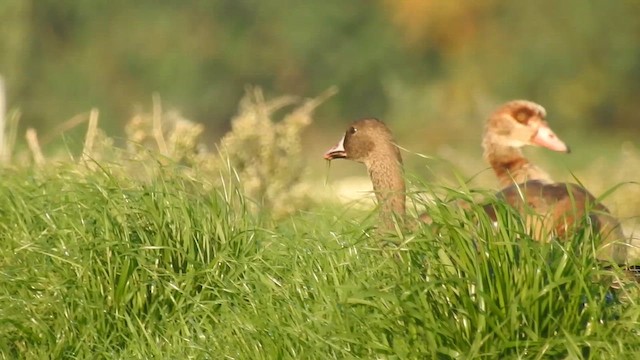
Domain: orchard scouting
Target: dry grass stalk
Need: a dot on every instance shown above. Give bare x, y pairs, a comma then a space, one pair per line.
3, 125
34, 146
64, 127
89, 139
11, 135
157, 125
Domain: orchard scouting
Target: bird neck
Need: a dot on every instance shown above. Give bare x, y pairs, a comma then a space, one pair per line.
388, 184
510, 165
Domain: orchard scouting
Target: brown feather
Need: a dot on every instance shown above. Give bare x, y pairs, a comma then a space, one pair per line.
561, 207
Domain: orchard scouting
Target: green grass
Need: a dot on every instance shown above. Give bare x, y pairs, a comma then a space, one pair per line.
95, 265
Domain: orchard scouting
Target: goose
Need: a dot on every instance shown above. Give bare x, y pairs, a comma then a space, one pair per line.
550, 209
369, 141
513, 125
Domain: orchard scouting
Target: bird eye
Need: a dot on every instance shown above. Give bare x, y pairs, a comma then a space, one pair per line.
352, 130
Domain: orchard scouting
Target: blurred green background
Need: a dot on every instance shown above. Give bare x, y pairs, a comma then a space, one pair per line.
432, 69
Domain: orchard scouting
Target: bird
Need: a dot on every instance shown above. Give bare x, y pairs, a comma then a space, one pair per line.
369, 141
510, 127
550, 209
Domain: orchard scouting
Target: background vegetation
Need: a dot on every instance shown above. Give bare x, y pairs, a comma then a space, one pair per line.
432, 69
411, 60
163, 195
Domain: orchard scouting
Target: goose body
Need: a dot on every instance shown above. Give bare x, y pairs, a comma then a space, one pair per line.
558, 209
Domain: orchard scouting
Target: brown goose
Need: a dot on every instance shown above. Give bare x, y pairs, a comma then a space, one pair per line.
369, 141
557, 210
551, 209
512, 126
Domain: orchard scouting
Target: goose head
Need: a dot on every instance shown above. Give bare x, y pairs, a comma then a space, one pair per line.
520, 123
365, 141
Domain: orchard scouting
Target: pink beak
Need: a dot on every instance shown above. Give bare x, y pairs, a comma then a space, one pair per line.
336, 152
545, 137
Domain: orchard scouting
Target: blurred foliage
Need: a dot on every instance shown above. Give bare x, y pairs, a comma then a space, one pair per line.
452, 59
267, 154
262, 152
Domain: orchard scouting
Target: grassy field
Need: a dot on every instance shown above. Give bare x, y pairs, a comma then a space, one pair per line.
95, 265
163, 252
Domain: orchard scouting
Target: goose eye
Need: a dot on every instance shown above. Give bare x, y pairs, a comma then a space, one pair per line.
352, 130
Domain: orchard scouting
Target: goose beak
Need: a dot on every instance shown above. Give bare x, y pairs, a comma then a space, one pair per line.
336, 152
545, 137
